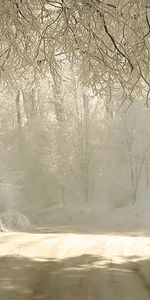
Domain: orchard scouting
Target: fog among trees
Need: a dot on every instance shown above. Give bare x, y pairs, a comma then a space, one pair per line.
74, 105
75, 119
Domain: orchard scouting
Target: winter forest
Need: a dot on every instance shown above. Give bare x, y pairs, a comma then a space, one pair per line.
74, 139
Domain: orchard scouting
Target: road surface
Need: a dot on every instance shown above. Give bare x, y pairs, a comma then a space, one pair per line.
74, 267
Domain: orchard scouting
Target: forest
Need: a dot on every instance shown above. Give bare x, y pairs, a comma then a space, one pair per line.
74, 148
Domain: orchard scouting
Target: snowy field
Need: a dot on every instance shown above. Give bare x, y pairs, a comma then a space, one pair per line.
97, 218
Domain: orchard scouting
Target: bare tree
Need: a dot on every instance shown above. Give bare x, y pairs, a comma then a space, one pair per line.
108, 39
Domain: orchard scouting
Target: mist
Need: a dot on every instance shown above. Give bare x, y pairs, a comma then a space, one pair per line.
74, 150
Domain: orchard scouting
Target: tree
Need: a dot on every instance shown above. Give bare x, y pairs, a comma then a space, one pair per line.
108, 40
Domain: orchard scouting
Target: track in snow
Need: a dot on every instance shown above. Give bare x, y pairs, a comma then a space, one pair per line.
74, 267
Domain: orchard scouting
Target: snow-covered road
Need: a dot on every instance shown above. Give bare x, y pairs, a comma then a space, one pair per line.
74, 267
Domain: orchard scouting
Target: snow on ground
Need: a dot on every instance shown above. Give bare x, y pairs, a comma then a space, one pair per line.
72, 266
94, 217
60, 246
74, 260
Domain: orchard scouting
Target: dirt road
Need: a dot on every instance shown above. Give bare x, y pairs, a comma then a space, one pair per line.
74, 267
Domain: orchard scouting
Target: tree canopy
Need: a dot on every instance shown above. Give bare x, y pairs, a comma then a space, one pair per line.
108, 41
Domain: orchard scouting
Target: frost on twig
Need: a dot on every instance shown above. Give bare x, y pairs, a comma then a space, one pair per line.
2, 227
